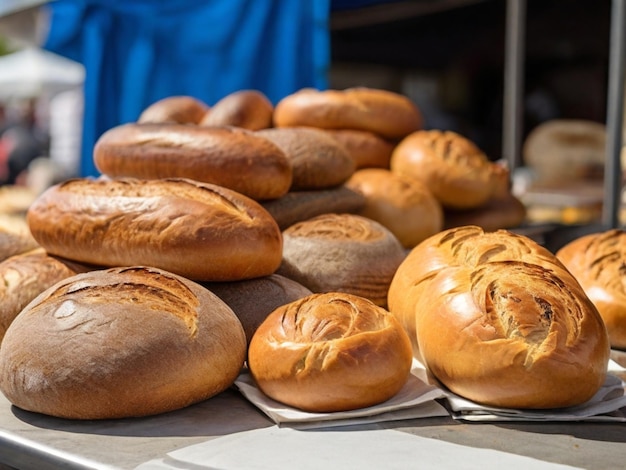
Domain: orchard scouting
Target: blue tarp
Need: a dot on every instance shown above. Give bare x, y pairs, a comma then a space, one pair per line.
138, 51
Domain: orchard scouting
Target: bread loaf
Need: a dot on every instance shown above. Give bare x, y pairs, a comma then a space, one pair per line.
342, 253
175, 109
119, 343
296, 206
385, 113
23, 277
248, 109
499, 320
197, 230
330, 352
235, 158
368, 150
403, 205
455, 170
318, 161
598, 261
253, 300
15, 236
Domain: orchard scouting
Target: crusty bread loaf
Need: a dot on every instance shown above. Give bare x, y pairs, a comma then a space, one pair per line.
198, 230
232, 157
368, 150
498, 319
318, 161
253, 300
342, 253
386, 113
15, 236
120, 343
402, 204
23, 277
330, 352
598, 261
296, 206
181, 109
456, 171
249, 109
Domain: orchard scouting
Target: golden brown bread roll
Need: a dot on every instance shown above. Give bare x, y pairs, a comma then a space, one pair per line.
385, 113
318, 161
368, 150
598, 261
456, 171
402, 204
23, 277
235, 158
175, 109
498, 319
342, 253
252, 300
330, 352
197, 230
296, 206
119, 343
249, 109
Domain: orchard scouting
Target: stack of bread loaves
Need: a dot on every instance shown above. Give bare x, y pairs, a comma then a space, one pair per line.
497, 319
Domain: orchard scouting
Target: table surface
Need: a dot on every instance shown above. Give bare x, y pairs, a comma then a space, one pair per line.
30, 440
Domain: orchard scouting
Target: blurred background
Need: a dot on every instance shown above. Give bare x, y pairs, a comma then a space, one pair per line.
71, 69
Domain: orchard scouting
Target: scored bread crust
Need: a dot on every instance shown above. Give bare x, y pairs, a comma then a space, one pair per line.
456, 171
232, 157
385, 113
330, 352
598, 261
124, 342
198, 230
498, 319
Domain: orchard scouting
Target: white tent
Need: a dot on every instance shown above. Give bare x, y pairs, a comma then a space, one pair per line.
33, 72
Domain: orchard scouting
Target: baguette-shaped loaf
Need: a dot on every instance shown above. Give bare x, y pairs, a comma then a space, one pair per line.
198, 230
498, 319
120, 343
385, 113
232, 157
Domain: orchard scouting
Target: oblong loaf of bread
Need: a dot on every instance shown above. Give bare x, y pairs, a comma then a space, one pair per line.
232, 157
385, 113
597, 261
181, 109
198, 230
330, 352
498, 319
249, 109
120, 343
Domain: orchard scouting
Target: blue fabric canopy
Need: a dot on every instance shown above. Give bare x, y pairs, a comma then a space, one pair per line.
138, 51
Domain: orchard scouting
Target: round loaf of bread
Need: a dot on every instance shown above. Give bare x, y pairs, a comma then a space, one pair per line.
330, 352
119, 343
385, 113
197, 230
249, 109
402, 204
342, 253
455, 170
368, 150
253, 300
499, 320
232, 157
318, 161
174, 109
23, 277
598, 261
15, 236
